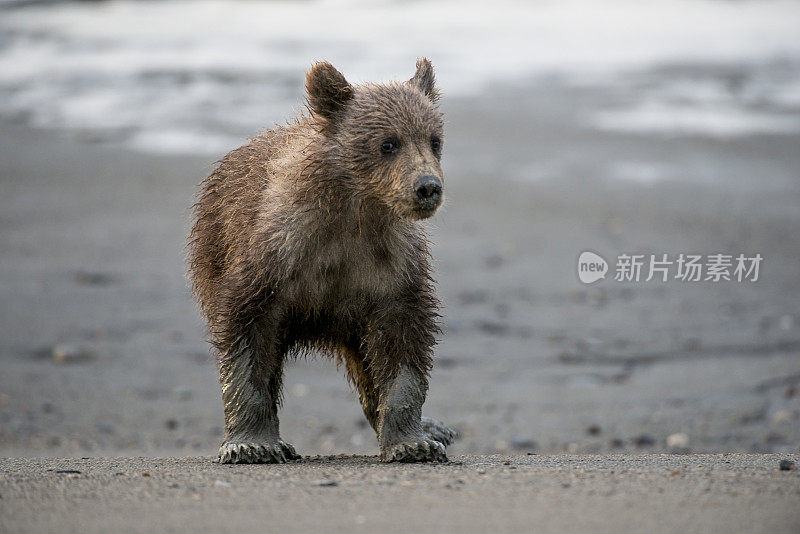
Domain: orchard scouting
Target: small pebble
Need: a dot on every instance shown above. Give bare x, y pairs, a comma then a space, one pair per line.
781, 417
679, 440
64, 353
327, 483
787, 465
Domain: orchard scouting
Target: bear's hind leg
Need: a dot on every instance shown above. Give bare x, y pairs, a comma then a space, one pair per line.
360, 376
251, 382
368, 396
401, 435
439, 431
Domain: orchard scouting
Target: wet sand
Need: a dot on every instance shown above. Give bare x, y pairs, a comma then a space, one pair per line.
531, 359
103, 353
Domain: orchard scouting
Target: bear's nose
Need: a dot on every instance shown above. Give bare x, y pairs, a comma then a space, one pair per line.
428, 187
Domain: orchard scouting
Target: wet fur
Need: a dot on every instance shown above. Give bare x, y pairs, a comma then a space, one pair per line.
307, 239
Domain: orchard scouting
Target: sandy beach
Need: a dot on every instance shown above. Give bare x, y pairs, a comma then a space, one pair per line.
531, 359
103, 353
562, 493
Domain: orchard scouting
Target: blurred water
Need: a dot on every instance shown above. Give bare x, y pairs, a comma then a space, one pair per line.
198, 76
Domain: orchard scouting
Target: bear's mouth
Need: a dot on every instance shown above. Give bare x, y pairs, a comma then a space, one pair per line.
425, 210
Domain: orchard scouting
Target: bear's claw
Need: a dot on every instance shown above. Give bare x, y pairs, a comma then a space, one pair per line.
422, 450
276, 452
438, 431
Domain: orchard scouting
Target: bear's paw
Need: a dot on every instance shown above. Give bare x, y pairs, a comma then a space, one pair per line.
420, 450
273, 452
438, 431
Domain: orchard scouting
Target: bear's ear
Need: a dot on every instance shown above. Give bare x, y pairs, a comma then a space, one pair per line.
328, 91
424, 79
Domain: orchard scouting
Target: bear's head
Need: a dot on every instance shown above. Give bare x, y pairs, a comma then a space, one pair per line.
384, 140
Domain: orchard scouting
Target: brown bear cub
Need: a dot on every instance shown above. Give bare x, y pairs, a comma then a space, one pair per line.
308, 239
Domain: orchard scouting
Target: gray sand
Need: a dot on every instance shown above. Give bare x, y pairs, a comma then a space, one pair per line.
103, 355
564, 493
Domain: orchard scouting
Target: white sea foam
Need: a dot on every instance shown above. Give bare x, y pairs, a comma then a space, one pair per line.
183, 141
218, 69
642, 172
713, 121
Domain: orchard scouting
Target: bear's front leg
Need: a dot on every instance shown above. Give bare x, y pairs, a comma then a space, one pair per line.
251, 382
401, 434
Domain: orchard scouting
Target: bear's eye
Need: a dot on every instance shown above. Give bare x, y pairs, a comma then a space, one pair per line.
389, 146
436, 144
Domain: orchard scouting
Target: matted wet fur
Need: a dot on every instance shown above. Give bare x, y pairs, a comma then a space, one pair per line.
308, 238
